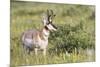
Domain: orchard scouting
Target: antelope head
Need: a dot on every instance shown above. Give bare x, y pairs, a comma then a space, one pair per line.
48, 20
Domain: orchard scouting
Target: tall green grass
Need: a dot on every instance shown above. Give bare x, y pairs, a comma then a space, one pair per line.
75, 34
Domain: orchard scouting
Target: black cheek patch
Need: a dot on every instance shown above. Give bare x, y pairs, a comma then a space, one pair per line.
46, 28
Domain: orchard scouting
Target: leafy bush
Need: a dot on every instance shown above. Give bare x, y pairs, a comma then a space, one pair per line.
70, 38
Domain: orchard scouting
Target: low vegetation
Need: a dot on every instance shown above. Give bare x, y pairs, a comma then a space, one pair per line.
73, 42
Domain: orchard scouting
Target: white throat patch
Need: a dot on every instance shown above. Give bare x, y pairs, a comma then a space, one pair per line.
45, 32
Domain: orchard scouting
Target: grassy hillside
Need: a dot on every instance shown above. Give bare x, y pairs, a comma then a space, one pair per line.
75, 34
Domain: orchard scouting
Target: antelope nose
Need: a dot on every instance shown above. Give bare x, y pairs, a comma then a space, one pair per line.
55, 29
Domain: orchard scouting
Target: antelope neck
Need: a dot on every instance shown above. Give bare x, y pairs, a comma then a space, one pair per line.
44, 33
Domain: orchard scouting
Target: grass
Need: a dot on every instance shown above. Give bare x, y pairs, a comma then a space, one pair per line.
76, 32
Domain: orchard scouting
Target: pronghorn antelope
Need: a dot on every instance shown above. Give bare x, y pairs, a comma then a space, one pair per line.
38, 40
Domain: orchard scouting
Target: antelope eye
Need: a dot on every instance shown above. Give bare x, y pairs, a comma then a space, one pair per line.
50, 20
